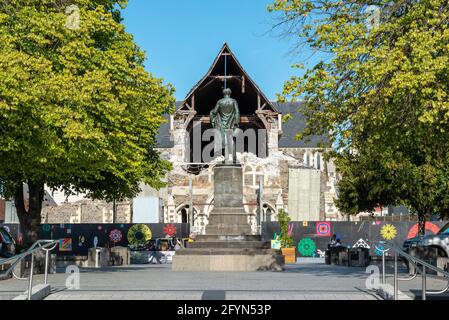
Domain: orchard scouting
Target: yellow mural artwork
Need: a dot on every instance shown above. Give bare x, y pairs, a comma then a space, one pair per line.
139, 234
388, 232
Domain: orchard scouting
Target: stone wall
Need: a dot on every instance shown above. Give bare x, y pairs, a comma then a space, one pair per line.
87, 211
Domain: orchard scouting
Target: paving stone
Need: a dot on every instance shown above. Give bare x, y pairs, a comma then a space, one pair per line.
298, 282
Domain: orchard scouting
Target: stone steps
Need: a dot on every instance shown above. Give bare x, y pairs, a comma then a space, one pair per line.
229, 237
230, 244
227, 251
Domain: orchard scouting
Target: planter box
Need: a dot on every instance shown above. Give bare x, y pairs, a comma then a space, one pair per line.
289, 255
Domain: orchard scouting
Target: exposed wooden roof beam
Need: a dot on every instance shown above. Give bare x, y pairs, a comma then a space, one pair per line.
226, 77
243, 119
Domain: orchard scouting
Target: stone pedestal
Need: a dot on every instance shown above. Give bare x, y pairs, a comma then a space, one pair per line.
228, 216
229, 244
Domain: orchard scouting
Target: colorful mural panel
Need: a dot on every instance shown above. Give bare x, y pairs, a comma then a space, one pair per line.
430, 227
323, 229
170, 230
307, 247
358, 233
65, 244
388, 232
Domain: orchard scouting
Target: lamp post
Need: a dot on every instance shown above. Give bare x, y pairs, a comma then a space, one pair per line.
260, 205
191, 220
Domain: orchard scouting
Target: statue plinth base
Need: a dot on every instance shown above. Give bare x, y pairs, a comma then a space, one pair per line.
229, 244
228, 216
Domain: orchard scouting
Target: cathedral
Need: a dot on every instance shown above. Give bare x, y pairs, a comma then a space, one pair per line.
279, 172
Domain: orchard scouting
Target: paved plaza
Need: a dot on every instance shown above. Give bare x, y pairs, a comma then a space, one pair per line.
146, 282
158, 282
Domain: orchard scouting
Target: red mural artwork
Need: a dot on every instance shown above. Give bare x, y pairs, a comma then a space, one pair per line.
413, 232
170, 230
323, 229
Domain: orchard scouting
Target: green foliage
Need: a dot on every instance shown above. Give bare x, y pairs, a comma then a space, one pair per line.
380, 93
284, 220
78, 111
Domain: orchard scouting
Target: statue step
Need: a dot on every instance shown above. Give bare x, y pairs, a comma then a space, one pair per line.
227, 251
228, 229
230, 244
228, 237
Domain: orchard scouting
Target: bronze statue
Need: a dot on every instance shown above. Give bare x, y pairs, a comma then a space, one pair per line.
225, 117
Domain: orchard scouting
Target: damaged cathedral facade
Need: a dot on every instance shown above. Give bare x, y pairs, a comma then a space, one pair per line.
291, 175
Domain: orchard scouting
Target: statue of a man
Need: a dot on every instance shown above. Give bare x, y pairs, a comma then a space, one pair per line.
225, 117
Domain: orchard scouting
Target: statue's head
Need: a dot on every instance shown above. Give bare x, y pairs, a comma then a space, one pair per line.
227, 92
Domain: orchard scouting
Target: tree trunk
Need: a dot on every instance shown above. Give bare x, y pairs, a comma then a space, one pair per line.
30, 218
422, 222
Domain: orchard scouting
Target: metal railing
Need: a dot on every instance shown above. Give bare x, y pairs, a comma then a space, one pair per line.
45, 245
416, 262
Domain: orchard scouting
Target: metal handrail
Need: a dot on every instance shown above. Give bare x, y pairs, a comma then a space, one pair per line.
416, 262
37, 246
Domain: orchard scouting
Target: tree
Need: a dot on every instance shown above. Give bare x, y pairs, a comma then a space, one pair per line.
284, 222
380, 92
78, 110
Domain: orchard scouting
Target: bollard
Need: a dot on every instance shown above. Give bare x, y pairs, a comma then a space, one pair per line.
46, 266
424, 284
30, 284
395, 276
97, 257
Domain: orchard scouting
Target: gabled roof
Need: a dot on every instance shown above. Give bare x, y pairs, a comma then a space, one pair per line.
296, 124
208, 86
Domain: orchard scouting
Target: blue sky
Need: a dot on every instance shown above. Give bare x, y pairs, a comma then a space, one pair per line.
182, 38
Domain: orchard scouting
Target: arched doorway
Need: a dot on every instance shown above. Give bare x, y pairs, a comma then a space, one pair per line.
269, 212
183, 214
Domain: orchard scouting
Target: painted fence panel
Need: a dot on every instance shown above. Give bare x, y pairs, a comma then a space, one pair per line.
76, 239
312, 238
